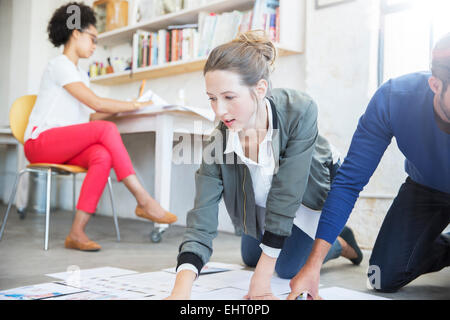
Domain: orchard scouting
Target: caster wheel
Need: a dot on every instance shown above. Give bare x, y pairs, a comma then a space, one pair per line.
155, 236
22, 213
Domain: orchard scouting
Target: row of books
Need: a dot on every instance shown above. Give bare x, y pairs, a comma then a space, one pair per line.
216, 29
157, 48
266, 16
185, 42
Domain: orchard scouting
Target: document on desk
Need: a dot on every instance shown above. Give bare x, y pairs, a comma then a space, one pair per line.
206, 113
161, 105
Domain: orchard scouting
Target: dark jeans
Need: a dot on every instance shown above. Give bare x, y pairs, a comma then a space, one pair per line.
410, 242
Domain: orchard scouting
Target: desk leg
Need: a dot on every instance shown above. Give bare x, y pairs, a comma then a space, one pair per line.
22, 188
163, 167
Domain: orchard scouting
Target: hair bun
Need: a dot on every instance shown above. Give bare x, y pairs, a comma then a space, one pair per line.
259, 40
251, 54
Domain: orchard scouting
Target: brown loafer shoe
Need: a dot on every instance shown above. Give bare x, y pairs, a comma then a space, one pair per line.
83, 246
168, 218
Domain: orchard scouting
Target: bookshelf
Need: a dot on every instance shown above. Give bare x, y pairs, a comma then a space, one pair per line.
292, 19
125, 34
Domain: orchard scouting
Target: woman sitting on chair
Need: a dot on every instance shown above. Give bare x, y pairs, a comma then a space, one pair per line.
65, 126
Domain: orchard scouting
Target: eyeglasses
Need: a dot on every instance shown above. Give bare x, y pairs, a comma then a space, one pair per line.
93, 37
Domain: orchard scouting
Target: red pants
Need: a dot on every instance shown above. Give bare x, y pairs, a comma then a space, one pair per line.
96, 146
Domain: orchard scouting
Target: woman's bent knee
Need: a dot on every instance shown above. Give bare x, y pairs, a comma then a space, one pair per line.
286, 272
99, 155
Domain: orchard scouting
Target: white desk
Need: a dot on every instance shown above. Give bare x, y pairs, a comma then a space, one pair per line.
165, 125
7, 138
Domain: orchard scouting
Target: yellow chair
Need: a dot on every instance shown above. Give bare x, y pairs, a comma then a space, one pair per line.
18, 118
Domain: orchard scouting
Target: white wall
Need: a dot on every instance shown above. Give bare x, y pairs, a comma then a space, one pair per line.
15, 39
5, 56
24, 54
338, 70
15, 49
341, 66
25, 49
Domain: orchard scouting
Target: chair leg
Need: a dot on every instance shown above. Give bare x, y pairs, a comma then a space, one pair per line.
47, 210
74, 193
11, 200
116, 223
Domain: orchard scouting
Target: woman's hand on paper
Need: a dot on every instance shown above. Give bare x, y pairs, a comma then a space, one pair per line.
139, 105
183, 285
306, 280
147, 103
260, 287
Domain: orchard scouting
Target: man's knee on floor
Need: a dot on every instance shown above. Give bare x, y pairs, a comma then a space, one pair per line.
384, 279
387, 286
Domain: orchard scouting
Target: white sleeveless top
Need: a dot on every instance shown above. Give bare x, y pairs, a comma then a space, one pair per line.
55, 106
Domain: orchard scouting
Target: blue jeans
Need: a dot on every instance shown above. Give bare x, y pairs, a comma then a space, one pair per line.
293, 255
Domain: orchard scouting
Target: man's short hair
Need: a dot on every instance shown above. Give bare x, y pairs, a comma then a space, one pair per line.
440, 64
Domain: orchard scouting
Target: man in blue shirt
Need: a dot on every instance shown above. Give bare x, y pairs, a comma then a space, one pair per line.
415, 109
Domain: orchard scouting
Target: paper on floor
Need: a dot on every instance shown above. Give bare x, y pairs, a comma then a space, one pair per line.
131, 286
220, 294
38, 291
336, 293
213, 267
103, 272
113, 283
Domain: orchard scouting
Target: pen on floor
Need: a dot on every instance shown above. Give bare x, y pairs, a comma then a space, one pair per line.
302, 296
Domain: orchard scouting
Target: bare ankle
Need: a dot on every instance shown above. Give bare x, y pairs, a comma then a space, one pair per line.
144, 200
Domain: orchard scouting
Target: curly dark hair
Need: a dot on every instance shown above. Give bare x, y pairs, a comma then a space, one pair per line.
58, 28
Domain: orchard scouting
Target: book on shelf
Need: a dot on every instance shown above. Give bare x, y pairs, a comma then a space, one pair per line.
265, 15
215, 29
165, 45
196, 40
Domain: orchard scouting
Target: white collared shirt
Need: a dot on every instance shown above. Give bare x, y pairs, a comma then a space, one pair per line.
262, 174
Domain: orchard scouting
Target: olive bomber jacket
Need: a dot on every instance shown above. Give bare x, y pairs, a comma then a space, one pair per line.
302, 175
